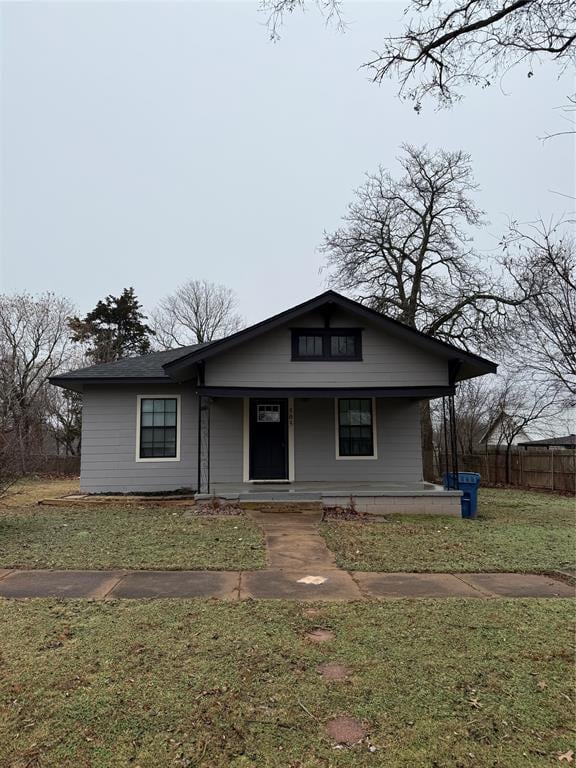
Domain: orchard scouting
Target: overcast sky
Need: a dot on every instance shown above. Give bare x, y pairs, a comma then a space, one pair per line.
148, 143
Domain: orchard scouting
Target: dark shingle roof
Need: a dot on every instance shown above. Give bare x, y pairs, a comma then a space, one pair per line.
178, 363
569, 441
144, 366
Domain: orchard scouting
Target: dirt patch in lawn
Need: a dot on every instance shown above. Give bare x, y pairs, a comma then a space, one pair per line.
333, 671
320, 636
345, 730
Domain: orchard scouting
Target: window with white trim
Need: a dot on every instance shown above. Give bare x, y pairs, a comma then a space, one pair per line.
355, 422
158, 428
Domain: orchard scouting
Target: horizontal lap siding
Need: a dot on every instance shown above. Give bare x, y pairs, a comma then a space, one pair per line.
399, 444
109, 442
226, 440
387, 362
398, 433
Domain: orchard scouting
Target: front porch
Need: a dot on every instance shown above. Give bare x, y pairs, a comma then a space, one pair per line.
376, 498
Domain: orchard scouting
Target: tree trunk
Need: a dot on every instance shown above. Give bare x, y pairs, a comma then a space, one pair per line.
427, 441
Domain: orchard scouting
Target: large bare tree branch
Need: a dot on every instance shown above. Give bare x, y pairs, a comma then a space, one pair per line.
447, 45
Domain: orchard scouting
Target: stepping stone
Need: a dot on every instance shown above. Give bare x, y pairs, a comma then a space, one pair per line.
320, 636
333, 671
345, 730
311, 613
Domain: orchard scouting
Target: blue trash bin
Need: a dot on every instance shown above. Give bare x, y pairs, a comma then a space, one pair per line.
468, 483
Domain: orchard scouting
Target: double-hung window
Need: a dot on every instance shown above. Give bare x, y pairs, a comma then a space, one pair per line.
355, 422
158, 428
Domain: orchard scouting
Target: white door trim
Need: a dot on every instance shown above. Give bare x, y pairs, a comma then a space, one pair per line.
246, 444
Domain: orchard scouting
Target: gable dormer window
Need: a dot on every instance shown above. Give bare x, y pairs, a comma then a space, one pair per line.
326, 344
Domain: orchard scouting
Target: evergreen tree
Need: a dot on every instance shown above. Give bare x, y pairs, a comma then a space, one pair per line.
113, 329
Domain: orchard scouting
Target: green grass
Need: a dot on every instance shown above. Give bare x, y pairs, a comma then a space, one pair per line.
515, 531
158, 684
125, 537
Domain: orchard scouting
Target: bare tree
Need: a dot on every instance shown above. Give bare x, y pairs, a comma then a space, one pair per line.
497, 412
518, 404
475, 411
64, 419
405, 250
34, 345
544, 255
198, 311
446, 46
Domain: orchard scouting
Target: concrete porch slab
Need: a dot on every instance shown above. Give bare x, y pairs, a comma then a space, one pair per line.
44, 583
142, 584
386, 585
376, 499
519, 584
285, 585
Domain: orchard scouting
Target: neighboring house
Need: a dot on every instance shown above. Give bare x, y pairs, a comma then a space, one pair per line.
502, 432
318, 402
566, 443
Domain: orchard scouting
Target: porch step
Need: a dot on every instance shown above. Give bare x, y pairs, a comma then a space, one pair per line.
263, 497
282, 506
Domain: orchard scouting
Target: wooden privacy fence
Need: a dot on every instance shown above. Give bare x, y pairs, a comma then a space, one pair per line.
553, 470
55, 465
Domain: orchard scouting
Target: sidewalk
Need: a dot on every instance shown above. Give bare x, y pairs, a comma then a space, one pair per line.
299, 567
278, 584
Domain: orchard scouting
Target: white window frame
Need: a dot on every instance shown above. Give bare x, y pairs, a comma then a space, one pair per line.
139, 399
374, 431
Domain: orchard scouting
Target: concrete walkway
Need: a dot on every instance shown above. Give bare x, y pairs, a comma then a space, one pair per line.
299, 567
275, 584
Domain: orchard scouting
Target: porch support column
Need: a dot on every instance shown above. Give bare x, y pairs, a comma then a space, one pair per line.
203, 444
451, 428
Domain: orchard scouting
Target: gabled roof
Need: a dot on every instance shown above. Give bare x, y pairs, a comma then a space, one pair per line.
177, 364
502, 419
479, 364
569, 441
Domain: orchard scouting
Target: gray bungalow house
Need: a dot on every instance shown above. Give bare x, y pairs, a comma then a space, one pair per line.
318, 402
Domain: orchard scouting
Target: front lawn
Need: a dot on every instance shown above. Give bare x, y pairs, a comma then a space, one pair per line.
160, 684
30, 490
515, 531
102, 537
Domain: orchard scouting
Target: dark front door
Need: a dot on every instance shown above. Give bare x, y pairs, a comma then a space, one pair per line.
268, 440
